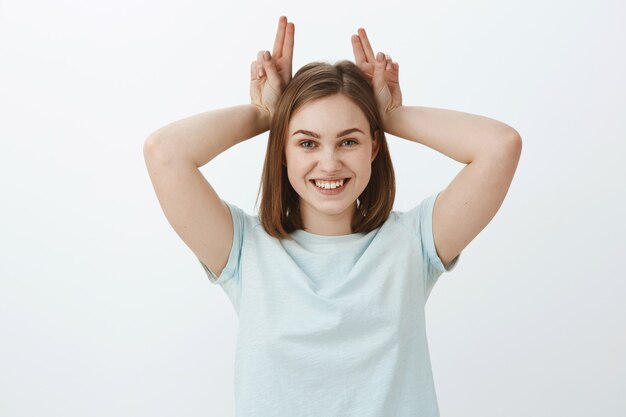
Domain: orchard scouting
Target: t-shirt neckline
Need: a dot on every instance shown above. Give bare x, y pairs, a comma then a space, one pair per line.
303, 235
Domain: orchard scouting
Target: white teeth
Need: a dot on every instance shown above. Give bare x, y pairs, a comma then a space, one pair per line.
329, 185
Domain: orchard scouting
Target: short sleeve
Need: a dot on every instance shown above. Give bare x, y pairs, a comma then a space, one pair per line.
434, 267
428, 241
231, 270
420, 220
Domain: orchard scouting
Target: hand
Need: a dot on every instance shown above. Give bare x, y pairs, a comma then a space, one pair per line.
382, 73
270, 73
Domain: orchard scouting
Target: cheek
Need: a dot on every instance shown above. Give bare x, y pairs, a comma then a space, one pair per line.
295, 173
290, 157
297, 163
362, 162
291, 176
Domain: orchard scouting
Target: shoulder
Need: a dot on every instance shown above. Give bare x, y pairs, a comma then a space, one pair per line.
242, 219
416, 217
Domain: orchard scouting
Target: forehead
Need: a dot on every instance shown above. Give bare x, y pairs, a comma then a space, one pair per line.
329, 114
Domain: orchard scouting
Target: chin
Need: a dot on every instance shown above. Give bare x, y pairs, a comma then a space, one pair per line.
333, 209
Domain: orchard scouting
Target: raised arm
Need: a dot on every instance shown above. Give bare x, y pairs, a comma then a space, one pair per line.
174, 153
491, 150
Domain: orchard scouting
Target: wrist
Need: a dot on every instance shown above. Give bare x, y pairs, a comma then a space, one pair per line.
391, 120
263, 118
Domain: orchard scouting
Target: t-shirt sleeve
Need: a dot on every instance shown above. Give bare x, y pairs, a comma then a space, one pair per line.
421, 220
231, 270
428, 241
434, 266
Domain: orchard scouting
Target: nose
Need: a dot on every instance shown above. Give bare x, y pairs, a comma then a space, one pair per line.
330, 161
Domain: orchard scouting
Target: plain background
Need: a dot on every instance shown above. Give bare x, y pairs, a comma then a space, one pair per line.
105, 312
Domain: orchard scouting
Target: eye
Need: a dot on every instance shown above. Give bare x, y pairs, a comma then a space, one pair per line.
307, 144
349, 142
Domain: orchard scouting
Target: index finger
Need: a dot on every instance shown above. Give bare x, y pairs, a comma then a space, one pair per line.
288, 42
357, 49
280, 36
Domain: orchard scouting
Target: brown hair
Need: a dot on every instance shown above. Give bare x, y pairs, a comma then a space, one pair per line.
279, 212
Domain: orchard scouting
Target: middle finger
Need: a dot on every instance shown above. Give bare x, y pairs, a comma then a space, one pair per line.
367, 48
287, 47
280, 36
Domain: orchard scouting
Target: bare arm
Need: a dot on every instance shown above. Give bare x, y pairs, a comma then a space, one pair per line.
461, 136
491, 150
190, 204
200, 138
174, 153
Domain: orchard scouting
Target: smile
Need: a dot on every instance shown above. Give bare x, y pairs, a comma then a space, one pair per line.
330, 187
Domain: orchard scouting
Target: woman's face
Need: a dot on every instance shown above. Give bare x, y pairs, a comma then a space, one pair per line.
329, 152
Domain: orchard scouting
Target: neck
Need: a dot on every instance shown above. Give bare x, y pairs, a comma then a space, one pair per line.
328, 225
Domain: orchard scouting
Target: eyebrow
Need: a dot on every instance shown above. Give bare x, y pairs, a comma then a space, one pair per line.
317, 135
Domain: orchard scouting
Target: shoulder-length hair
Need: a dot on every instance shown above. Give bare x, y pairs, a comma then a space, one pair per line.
279, 212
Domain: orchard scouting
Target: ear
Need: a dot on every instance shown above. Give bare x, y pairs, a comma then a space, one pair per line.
375, 143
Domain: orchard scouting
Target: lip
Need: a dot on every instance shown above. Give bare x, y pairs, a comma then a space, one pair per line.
331, 191
330, 179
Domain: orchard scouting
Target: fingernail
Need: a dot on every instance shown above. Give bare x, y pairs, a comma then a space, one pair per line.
266, 55
388, 65
260, 72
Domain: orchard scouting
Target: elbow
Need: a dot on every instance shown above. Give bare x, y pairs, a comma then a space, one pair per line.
153, 140
512, 140
505, 145
153, 148
515, 140
513, 147
149, 144
158, 151
149, 147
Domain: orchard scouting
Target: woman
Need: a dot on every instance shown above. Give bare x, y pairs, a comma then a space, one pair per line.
328, 282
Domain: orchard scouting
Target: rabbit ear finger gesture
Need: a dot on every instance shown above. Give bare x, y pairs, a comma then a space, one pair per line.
283, 49
270, 73
265, 84
385, 84
380, 70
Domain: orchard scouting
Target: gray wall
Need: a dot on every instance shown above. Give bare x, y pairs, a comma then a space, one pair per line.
103, 309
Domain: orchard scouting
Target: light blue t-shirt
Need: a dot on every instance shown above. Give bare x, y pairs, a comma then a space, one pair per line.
333, 326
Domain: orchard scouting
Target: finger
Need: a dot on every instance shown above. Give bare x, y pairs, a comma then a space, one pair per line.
280, 36
260, 72
256, 70
389, 62
357, 49
367, 48
378, 81
269, 69
287, 51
